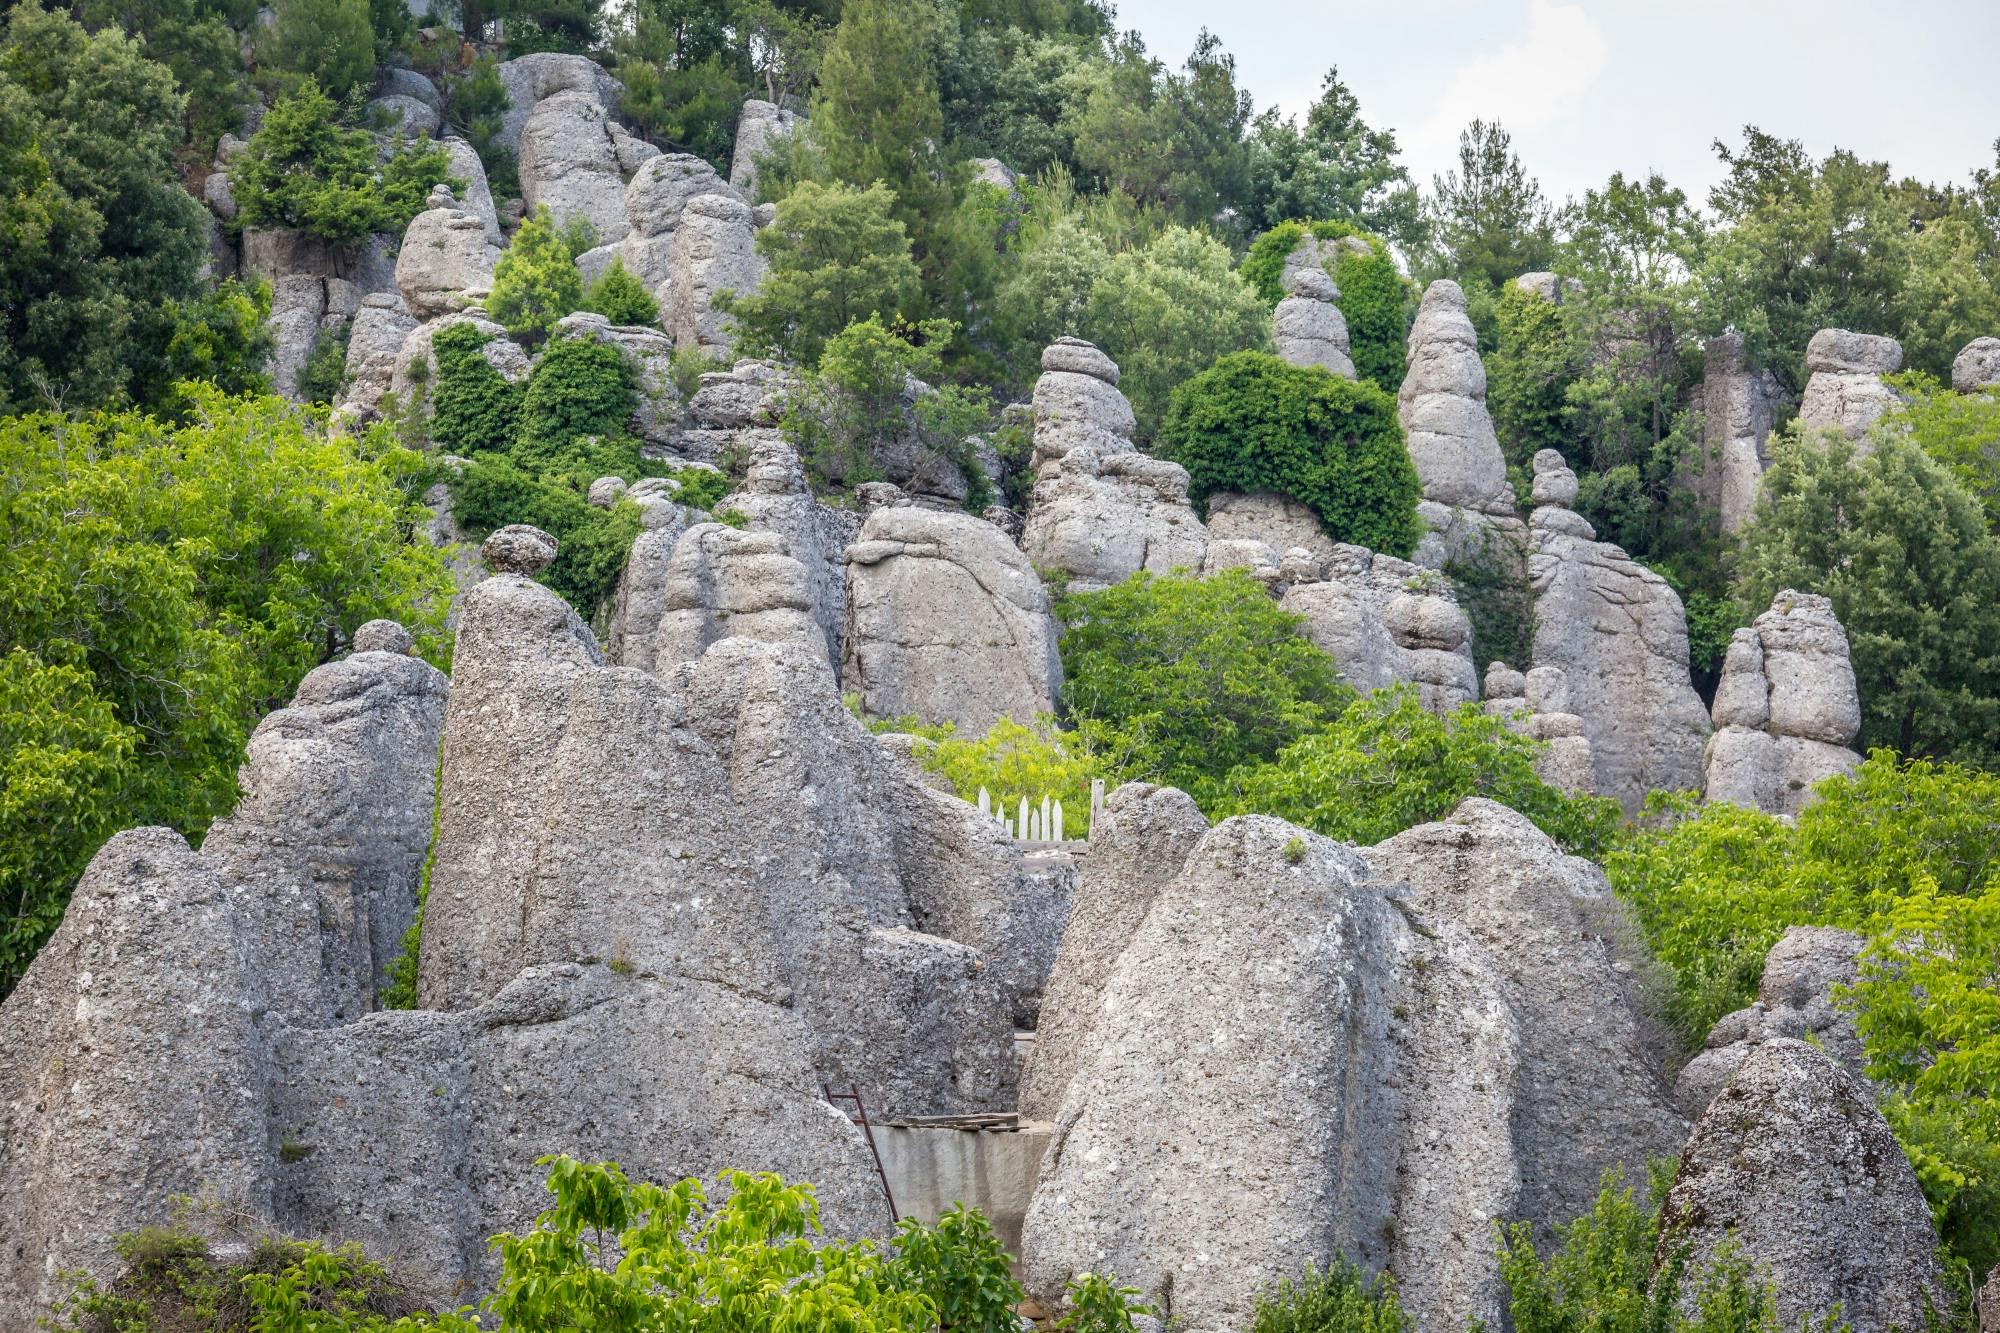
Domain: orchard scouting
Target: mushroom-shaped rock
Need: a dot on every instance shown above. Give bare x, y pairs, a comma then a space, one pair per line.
1307, 327
1793, 1163
1846, 392
446, 263
1076, 401
1442, 404
519, 548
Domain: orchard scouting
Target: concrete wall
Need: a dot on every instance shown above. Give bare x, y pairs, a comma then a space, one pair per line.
930, 1169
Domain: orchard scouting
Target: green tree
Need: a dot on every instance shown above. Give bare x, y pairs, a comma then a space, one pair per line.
536, 282
1252, 422
331, 42
1913, 571
220, 337
837, 256
1012, 763
161, 589
1490, 221
98, 242
1047, 296
1337, 1299
196, 40
622, 298
1375, 298
1385, 764
302, 170
1167, 311
1960, 431
1334, 167
1178, 680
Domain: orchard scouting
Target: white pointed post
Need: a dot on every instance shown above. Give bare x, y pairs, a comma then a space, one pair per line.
985, 802
1096, 801
1058, 827
1021, 821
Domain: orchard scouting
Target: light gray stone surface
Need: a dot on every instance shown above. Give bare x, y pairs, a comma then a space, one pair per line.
1739, 404
531, 78
720, 583
1795, 1000
948, 621
1101, 518
1793, 1160
1786, 708
446, 263
519, 548
1442, 405
761, 125
569, 164
648, 355
774, 498
1620, 635
713, 250
1384, 622
1846, 392
1307, 327
476, 195
402, 114
1977, 366
1278, 521
374, 340
1076, 401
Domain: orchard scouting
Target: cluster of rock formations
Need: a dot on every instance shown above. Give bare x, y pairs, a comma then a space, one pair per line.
1536, 705
1786, 709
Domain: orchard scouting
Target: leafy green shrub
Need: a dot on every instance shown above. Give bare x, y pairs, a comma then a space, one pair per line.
1168, 310
325, 371
1253, 422
1960, 431
1178, 680
1528, 379
1338, 1299
1012, 763
494, 491
302, 170
700, 487
1374, 295
959, 1267
1097, 1304
475, 408
621, 298
1385, 764
579, 387
221, 337
1913, 571
838, 256
1602, 1276
162, 589
536, 282
330, 42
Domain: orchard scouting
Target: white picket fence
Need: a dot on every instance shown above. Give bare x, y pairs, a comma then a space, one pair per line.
1036, 822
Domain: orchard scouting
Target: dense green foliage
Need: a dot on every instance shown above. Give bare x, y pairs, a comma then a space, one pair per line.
330, 42
620, 297
837, 256
959, 1266
1338, 1299
1178, 680
474, 407
1913, 570
580, 388
1601, 1274
1385, 763
1909, 856
161, 589
1012, 763
1375, 298
536, 282
303, 170
99, 246
1960, 431
1334, 167
1252, 422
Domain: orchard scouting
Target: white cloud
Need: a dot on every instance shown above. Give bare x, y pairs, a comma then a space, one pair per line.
1524, 84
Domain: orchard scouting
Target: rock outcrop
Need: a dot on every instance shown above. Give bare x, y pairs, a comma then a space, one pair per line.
374, 341
475, 195
1786, 708
1793, 1162
1795, 1001
1537, 706
774, 498
1076, 401
446, 263
1846, 392
1384, 622
648, 355
1278, 521
1467, 505
761, 125
720, 583
531, 78
1620, 636
316, 288
1305, 1051
569, 164
1739, 403
1977, 366
946, 621
1307, 326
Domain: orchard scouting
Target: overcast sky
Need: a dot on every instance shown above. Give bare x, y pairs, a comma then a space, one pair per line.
1588, 87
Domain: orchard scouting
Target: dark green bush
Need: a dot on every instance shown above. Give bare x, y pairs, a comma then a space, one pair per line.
621, 297
493, 491
475, 407
1252, 422
579, 388
1375, 298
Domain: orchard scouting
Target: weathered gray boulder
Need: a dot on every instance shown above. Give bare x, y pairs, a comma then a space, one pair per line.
1307, 326
1286, 1064
722, 582
1846, 392
1977, 366
569, 164
775, 499
314, 287
713, 250
1537, 706
1076, 401
1794, 1162
1101, 518
1384, 622
519, 548
531, 78
399, 113
1278, 521
1740, 402
374, 340
1442, 405
1620, 635
761, 125
1786, 708
1140, 843
476, 195
948, 621
446, 263
1796, 1001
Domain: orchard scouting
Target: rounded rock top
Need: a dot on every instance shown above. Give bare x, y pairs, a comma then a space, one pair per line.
519, 548
1080, 358
1976, 367
1842, 352
383, 636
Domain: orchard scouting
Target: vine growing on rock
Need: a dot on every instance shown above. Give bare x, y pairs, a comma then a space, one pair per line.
1376, 301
